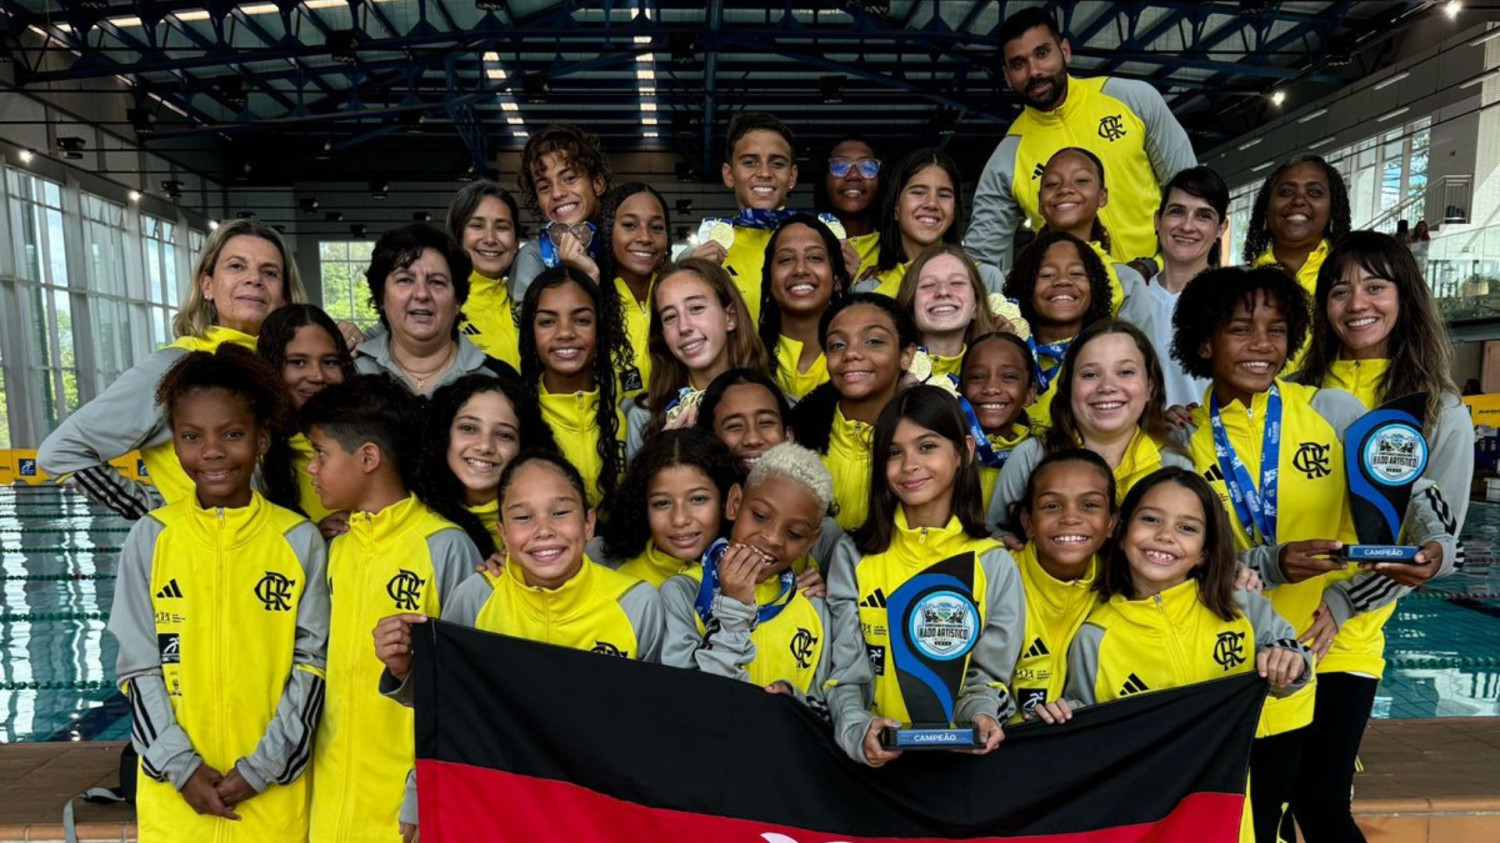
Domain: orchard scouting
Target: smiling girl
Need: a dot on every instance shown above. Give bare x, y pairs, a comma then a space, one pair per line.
1170, 599
571, 347
305, 346
946, 298
1378, 336
636, 222
870, 342
803, 274
999, 382
671, 505
924, 515
1061, 286
698, 331
1109, 400
1071, 195
922, 206
1068, 514
851, 192
475, 427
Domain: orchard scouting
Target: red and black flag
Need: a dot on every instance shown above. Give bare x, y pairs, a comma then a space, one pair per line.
528, 742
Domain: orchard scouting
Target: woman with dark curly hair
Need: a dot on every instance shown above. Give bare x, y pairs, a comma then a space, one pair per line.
571, 347
1301, 211
1062, 287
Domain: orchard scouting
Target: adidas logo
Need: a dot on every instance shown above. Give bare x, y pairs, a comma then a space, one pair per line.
1036, 650
1214, 473
1133, 685
874, 600
171, 589
1037, 173
470, 329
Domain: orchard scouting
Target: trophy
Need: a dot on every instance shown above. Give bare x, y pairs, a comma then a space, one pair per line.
934, 624
1384, 454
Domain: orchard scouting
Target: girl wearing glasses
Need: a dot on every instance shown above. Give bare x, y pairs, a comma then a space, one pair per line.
849, 191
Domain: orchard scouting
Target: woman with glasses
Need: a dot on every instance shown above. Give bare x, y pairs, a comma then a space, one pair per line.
850, 190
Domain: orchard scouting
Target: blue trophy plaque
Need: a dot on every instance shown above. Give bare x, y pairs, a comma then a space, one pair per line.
1384, 454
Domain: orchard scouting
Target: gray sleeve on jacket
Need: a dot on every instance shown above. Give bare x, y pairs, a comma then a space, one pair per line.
527, 267
728, 651
121, 419
1272, 630
992, 662
849, 690
283, 752
408, 812
1136, 307
642, 604
828, 539
682, 639
993, 278
636, 419
1167, 143
454, 559
1370, 590
1083, 666
166, 751
1010, 487
991, 237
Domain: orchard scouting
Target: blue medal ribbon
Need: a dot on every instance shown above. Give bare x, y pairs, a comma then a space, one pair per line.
988, 455
766, 218
710, 587
1053, 350
549, 247
1256, 509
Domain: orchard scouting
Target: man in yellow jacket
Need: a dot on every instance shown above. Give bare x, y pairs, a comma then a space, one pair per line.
1125, 122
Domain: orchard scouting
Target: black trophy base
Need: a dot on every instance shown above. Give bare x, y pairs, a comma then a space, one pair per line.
914, 739
1371, 553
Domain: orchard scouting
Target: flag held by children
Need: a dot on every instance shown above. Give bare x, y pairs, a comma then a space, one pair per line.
528, 742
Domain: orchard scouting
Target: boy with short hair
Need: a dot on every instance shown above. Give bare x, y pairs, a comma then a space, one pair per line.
399, 555
740, 614
760, 166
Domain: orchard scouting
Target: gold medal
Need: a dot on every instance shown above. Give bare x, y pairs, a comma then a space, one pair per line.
717, 231
1008, 310
834, 225
921, 367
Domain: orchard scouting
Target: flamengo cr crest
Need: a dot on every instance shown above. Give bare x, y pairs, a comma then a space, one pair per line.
1229, 650
405, 588
1111, 128
275, 591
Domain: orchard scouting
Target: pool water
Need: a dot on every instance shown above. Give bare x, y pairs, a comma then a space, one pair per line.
58, 553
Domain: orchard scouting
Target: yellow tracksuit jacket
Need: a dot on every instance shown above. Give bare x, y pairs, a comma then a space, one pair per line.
866, 681
489, 319
222, 620
404, 558
1055, 609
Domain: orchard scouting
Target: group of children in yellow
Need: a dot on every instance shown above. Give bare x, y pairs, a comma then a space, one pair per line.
726, 463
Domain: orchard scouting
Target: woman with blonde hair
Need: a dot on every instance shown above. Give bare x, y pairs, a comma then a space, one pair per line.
244, 273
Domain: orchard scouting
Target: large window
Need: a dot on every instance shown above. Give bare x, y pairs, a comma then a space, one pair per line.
162, 291
46, 315
113, 282
342, 272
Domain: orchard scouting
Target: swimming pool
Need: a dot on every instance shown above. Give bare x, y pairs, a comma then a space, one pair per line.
58, 553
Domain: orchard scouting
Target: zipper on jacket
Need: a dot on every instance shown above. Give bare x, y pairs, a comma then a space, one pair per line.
218, 659
1178, 662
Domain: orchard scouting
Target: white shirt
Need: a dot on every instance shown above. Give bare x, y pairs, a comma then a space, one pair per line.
1181, 388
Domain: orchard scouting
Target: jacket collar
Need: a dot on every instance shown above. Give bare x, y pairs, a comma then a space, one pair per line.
378, 527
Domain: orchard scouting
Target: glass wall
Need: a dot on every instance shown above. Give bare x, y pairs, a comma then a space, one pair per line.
95, 287
346, 295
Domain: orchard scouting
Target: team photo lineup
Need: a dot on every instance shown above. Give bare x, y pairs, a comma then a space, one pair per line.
930, 469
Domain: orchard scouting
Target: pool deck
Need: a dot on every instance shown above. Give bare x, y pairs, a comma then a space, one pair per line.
1425, 781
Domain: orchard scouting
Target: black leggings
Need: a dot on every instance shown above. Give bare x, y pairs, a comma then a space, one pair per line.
1321, 799
1274, 761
